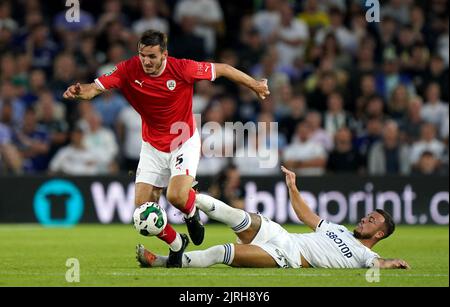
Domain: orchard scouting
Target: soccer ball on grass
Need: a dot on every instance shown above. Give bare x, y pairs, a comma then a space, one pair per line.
150, 219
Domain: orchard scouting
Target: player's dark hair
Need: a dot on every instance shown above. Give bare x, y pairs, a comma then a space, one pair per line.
388, 222
154, 38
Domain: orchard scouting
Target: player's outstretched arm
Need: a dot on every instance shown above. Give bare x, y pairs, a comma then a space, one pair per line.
82, 91
392, 264
259, 87
301, 208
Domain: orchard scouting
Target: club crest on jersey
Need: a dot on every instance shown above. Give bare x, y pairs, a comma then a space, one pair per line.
171, 84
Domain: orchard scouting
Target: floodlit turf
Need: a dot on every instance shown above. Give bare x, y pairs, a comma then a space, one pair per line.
31, 255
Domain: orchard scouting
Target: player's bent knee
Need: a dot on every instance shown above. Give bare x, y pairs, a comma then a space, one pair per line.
146, 193
177, 198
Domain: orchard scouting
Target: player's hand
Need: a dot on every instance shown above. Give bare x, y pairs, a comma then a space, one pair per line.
402, 264
290, 177
72, 92
262, 89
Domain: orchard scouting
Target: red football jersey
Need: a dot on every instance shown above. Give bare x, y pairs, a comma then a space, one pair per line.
162, 101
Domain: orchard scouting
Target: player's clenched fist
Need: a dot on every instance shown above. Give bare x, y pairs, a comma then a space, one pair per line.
262, 89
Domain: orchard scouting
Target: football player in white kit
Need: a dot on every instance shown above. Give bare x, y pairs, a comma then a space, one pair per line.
265, 244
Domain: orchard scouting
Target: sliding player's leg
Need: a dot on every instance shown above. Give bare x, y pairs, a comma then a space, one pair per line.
237, 255
245, 225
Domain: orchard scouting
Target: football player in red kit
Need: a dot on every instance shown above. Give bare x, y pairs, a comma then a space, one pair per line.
160, 88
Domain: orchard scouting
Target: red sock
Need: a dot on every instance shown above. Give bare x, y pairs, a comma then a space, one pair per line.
168, 235
190, 203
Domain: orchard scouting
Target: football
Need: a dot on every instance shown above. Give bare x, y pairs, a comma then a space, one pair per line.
150, 219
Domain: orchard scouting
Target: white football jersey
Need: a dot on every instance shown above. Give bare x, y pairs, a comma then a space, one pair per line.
334, 246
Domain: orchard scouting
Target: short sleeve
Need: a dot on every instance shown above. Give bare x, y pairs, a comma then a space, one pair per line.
325, 225
370, 259
193, 71
113, 79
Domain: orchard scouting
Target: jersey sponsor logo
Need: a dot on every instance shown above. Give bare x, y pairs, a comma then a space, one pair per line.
340, 244
139, 82
111, 72
171, 84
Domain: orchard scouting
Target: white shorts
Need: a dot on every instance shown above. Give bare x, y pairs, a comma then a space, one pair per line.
278, 243
156, 167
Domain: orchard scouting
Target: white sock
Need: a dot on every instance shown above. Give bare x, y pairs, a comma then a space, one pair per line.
176, 244
208, 257
237, 219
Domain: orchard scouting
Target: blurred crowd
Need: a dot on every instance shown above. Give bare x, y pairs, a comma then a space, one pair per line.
349, 96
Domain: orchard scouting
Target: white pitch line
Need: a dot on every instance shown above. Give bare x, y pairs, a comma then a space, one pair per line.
150, 274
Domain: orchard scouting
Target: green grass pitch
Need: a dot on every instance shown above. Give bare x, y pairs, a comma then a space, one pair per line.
31, 255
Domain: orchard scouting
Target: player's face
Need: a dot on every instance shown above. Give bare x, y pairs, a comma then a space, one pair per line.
369, 226
152, 59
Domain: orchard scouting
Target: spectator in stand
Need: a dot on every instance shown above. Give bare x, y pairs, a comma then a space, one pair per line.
398, 102
412, 121
11, 106
346, 39
306, 157
64, 74
390, 77
344, 158
297, 113
50, 115
435, 111
150, 19
41, 48
37, 82
427, 142
254, 157
108, 106
251, 47
227, 187
75, 159
203, 95
102, 142
268, 19
129, 130
208, 18
436, 73
327, 85
318, 134
335, 116
371, 135
428, 165
375, 107
314, 17
248, 105
389, 156
10, 159
187, 43
290, 36
33, 143
217, 141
